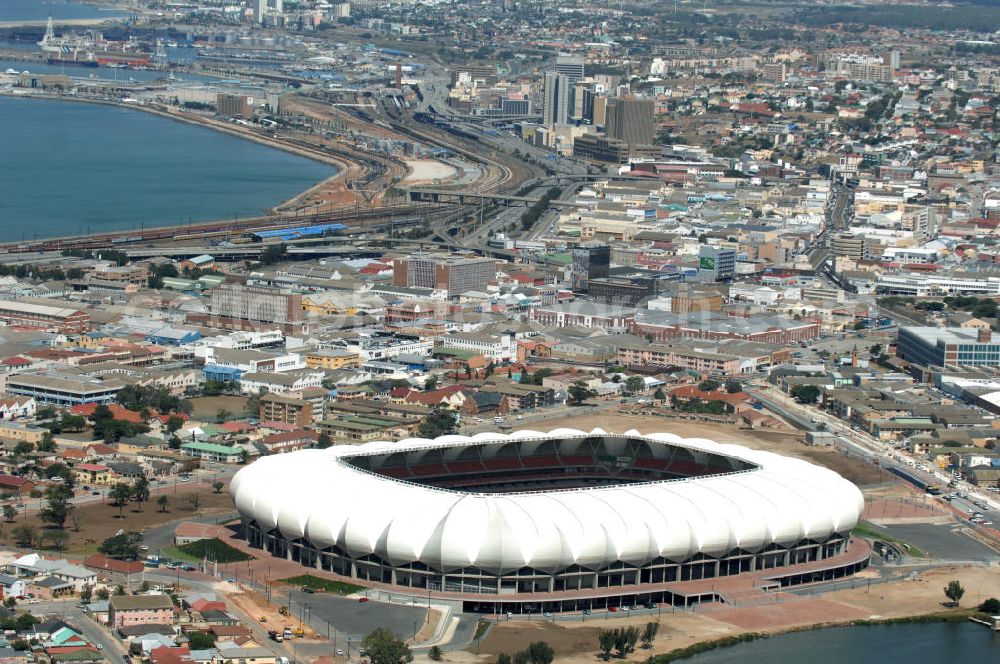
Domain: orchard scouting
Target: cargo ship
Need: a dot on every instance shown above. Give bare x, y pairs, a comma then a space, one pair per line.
70, 62
87, 51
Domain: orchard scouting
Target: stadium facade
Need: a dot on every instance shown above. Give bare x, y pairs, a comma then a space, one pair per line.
564, 520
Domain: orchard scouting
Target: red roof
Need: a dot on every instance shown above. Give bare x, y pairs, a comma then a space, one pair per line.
201, 605
101, 449
16, 361
237, 426
692, 392
73, 454
96, 467
117, 411
170, 655
297, 434
13, 481
99, 561
434, 396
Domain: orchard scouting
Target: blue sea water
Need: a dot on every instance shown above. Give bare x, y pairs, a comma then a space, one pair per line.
105, 73
39, 10
69, 168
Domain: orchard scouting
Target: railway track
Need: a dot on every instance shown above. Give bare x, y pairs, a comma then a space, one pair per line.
351, 216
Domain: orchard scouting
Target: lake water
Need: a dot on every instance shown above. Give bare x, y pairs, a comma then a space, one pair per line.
39, 10
930, 643
70, 168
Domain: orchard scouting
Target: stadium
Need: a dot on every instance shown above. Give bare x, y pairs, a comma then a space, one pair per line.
557, 521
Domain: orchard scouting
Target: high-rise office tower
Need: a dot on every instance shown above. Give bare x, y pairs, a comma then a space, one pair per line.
556, 107
630, 120
594, 106
591, 262
572, 67
454, 274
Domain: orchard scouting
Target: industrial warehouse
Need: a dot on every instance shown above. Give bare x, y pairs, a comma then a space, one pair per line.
559, 521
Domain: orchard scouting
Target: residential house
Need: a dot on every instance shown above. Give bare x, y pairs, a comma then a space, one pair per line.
125, 573
213, 452
12, 586
288, 441
15, 407
16, 485
93, 473
126, 610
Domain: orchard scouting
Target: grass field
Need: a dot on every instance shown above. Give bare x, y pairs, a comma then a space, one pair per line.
325, 585
212, 549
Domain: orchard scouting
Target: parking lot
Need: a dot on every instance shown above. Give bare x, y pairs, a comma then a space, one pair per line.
942, 541
353, 618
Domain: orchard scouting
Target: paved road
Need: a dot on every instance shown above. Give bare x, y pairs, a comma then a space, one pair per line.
942, 541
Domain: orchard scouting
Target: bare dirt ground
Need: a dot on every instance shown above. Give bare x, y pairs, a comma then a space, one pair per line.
427, 170
789, 444
576, 642
257, 606
205, 408
923, 595
91, 524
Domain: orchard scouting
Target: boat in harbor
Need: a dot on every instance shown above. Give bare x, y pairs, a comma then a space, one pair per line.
90, 50
72, 62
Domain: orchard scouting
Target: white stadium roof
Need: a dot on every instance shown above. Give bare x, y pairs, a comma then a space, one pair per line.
316, 495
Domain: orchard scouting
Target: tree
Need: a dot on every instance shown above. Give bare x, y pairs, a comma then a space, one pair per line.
217, 486
659, 394
75, 423
101, 413
806, 393
222, 415
274, 253
24, 535
876, 350
438, 422
384, 648
324, 441
120, 494
194, 501
174, 422
9, 513
86, 593
251, 408
635, 384
540, 652
709, 385
606, 643
57, 538
57, 509
102, 594
140, 491
991, 606
201, 640
46, 413
733, 386
124, 546
578, 392
47, 443
954, 591
649, 634
430, 383
434, 654
162, 501
23, 447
